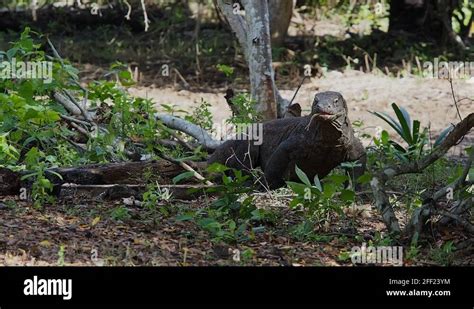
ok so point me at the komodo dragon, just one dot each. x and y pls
(316, 143)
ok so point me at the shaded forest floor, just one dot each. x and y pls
(107, 233)
(92, 233)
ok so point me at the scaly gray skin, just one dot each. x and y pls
(317, 143)
(294, 110)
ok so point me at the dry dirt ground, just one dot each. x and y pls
(84, 233)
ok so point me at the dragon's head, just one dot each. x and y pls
(329, 105)
(330, 108)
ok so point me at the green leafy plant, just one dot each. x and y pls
(34, 136)
(202, 116)
(443, 135)
(247, 255)
(227, 70)
(127, 117)
(408, 130)
(120, 213)
(462, 16)
(61, 255)
(245, 110)
(381, 240)
(304, 230)
(231, 190)
(42, 186)
(30, 126)
(153, 195)
(230, 217)
(444, 254)
(344, 256)
(8, 153)
(413, 252)
(318, 198)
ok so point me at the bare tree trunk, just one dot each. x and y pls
(262, 81)
(432, 18)
(280, 17)
(253, 34)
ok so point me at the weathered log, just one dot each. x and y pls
(97, 174)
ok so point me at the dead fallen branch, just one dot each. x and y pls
(191, 129)
(68, 105)
(379, 179)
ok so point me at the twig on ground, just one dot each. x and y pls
(186, 84)
(80, 130)
(185, 166)
(72, 119)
